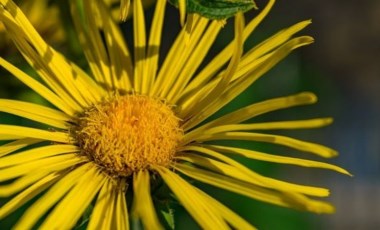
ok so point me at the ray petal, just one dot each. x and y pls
(194, 204)
(50, 163)
(154, 46)
(51, 66)
(36, 153)
(16, 145)
(102, 213)
(142, 207)
(275, 125)
(51, 197)
(218, 61)
(119, 55)
(236, 170)
(252, 111)
(239, 85)
(285, 199)
(304, 146)
(35, 112)
(139, 37)
(69, 210)
(235, 220)
(276, 159)
(121, 210)
(28, 194)
(11, 132)
(37, 87)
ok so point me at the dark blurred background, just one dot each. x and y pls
(342, 67)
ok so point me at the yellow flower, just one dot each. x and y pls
(131, 121)
(50, 29)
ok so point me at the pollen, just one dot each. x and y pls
(129, 133)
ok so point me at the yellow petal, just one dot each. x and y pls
(101, 215)
(304, 146)
(23, 182)
(176, 59)
(297, 124)
(285, 199)
(69, 210)
(140, 45)
(252, 111)
(119, 56)
(11, 132)
(35, 112)
(196, 54)
(232, 218)
(28, 194)
(219, 60)
(37, 87)
(198, 208)
(51, 197)
(36, 153)
(276, 159)
(51, 66)
(121, 210)
(237, 170)
(16, 145)
(254, 71)
(154, 45)
(182, 11)
(124, 9)
(142, 207)
(50, 164)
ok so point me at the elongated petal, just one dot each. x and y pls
(119, 55)
(142, 207)
(36, 153)
(50, 164)
(68, 211)
(232, 218)
(254, 72)
(297, 124)
(241, 172)
(37, 87)
(177, 57)
(304, 146)
(28, 194)
(35, 112)
(254, 110)
(52, 67)
(51, 197)
(285, 199)
(218, 61)
(16, 145)
(139, 37)
(101, 216)
(23, 182)
(194, 59)
(121, 210)
(277, 159)
(11, 132)
(225, 79)
(198, 208)
(154, 46)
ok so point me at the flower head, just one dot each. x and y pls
(129, 121)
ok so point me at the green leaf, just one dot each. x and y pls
(217, 9)
(168, 215)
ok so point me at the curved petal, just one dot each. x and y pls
(35, 112)
(142, 207)
(196, 205)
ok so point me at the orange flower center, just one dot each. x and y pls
(129, 133)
